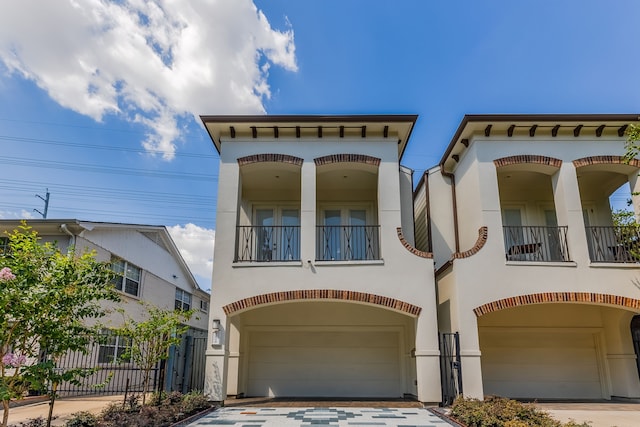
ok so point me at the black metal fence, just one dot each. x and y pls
(111, 376)
(536, 243)
(614, 244)
(348, 242)
(267, 243)
(450, 367)
(183, 371)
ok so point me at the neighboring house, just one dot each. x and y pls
(150, 269)
(531, 271)
(317, 288)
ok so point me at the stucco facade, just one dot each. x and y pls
(530, 269)
(317, 288)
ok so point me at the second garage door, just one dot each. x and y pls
(312, 363)
(540, 363)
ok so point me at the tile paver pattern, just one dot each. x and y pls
(313, 417)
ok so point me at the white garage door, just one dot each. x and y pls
(324, 364)
(540, 363)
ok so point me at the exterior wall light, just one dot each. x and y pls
(215, 332)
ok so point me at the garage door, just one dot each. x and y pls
(324, 364)
(540, 363)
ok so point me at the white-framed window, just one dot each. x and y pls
(204, 305)
(128, 276)
(113, 347)
(183, 300)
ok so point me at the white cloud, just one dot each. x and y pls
(196, 247)
(151, 62)
(24, 214)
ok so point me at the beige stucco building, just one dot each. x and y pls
(530, 269)
(333, 277)
(317, 288)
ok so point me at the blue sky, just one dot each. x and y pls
(99, 100)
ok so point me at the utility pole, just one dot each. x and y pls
(46, 204)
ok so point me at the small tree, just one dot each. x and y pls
(47, 297)
(152, 338)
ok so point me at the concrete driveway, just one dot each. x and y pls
(320, 416)
(606, 414)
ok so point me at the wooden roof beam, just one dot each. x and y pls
(510, 130)
(576, 131)
(276, 132)
(232, 131)
(254, 131)
(532, 130)
(622, 129)
(385, 132)
(554, 131)
(487, 131)
(599, 131)
(364, 132)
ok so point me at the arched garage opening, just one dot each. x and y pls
(558, 351)
(322, 349)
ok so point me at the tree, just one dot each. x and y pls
(152, 338)
(48, 299)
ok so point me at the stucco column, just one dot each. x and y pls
(427, 356)
(215, 386)
(621, 357)
(308, 212)
(566, 195)
(470, 356)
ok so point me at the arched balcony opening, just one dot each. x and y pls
(610, 224)
(269, 212)
(530, 225)
(347, 203)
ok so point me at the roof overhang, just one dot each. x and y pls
(531, 125)
(228, 128)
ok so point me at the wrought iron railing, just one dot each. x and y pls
(348, 242)
(536, 243)
(614, 244)
(267, 243)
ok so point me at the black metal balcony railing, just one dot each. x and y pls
(536, 243)
(348, 242)
(267, 243)
(614, 244)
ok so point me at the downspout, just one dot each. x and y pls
(454, 204)
(72, 239)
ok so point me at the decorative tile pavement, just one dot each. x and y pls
(316, 417)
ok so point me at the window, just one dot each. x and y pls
(113, 347)
(128, 276)
(204, 305)
(183, 300)
(4, 245)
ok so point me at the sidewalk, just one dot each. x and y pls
(63, 408)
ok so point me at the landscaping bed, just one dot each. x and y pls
(502, 412)
(163, 410)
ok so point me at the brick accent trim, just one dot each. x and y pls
(528, 158)
(483, 233)
(321, 294)
(278, 158)
(347, 158)
(599, 160)
(550, 297)
(410, 248)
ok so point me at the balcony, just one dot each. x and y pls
(267, 243)
(614, 244)
(348, 243)
(536, 243)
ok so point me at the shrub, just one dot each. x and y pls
(502, 412)
(82, 419)
(194, 402)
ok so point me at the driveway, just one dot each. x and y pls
(605, 414)
(312, 417)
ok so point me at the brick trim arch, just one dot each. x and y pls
(550, 297)
(347, 158)
(599, 160)
(411, 248)
(483, 233)
(321, 294)
(278, 158)
(528, 158)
